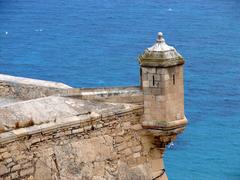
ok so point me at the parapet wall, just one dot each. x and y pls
(26, 88)
(111, 146)
(74, 133)
(19, 88)
(130, 95)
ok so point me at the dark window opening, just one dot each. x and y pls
(173, 79)
(153, 81)
(141, 78)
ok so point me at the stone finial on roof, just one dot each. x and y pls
(160, 54)
(160, 44)
(160, 37)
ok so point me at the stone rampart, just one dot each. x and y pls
(26, 88)
(130, 95)
(108, 146)
(50, 130)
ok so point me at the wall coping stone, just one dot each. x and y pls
(83, 120)
(35, 82)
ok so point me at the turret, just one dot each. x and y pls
(161, 71)
(162, 85)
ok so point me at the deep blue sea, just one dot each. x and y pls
(90, 43)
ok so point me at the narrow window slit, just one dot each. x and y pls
(153, 81)
(173, 79)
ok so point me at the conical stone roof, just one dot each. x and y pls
(160, 55)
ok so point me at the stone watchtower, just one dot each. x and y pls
(161, 74)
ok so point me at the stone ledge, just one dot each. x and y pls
(132, 94)
(164, 127)
(74, 121)
(35, 82)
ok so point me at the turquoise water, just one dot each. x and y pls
(95, 43)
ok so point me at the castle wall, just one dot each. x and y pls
(17, 89)
(93, 133)
(130, 95)
(112, 146)
(26, 88)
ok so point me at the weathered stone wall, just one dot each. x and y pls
(163, 94)
(130, 95)
(106, 147)
(25, 88)
(17, 88)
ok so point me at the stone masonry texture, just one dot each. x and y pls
(113, 147)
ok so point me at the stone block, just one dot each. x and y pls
(99, 169)
(59, 134)
(149, 98)
(3, 150)
(127, 152)
(8, 160)
(120, 132)
(155, 91)
(144, 77)
(136, 155)
(35, 140)
(144, 70)
(26, 172)
(42, 171)
(160, 98)
(148, 70)
(126, 125)
(6, 155)
(11, 164)
(161, 71)
(137, 148)
(147, 117)
(26, 165)
(15, 168)
(68, 132)
(141, 160)
(166, 77)
(152, 84)
(15, 175)
(150, 76)
(131, 161)
(147, 110)
(136, 127)
(151, 70)
(20, 157)
(147, 91)
(46, 137)
(129, 143)
(7, 178)
(3, 170)
(145, 83)
(119, 139)
(97, 126)
(157, 77)
(122, 146)
(22, 131)
(30, 178)
(87, 128)
(75, 131)
(127, 137)
(98, 178)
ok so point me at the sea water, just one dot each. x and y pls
(90, 43)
